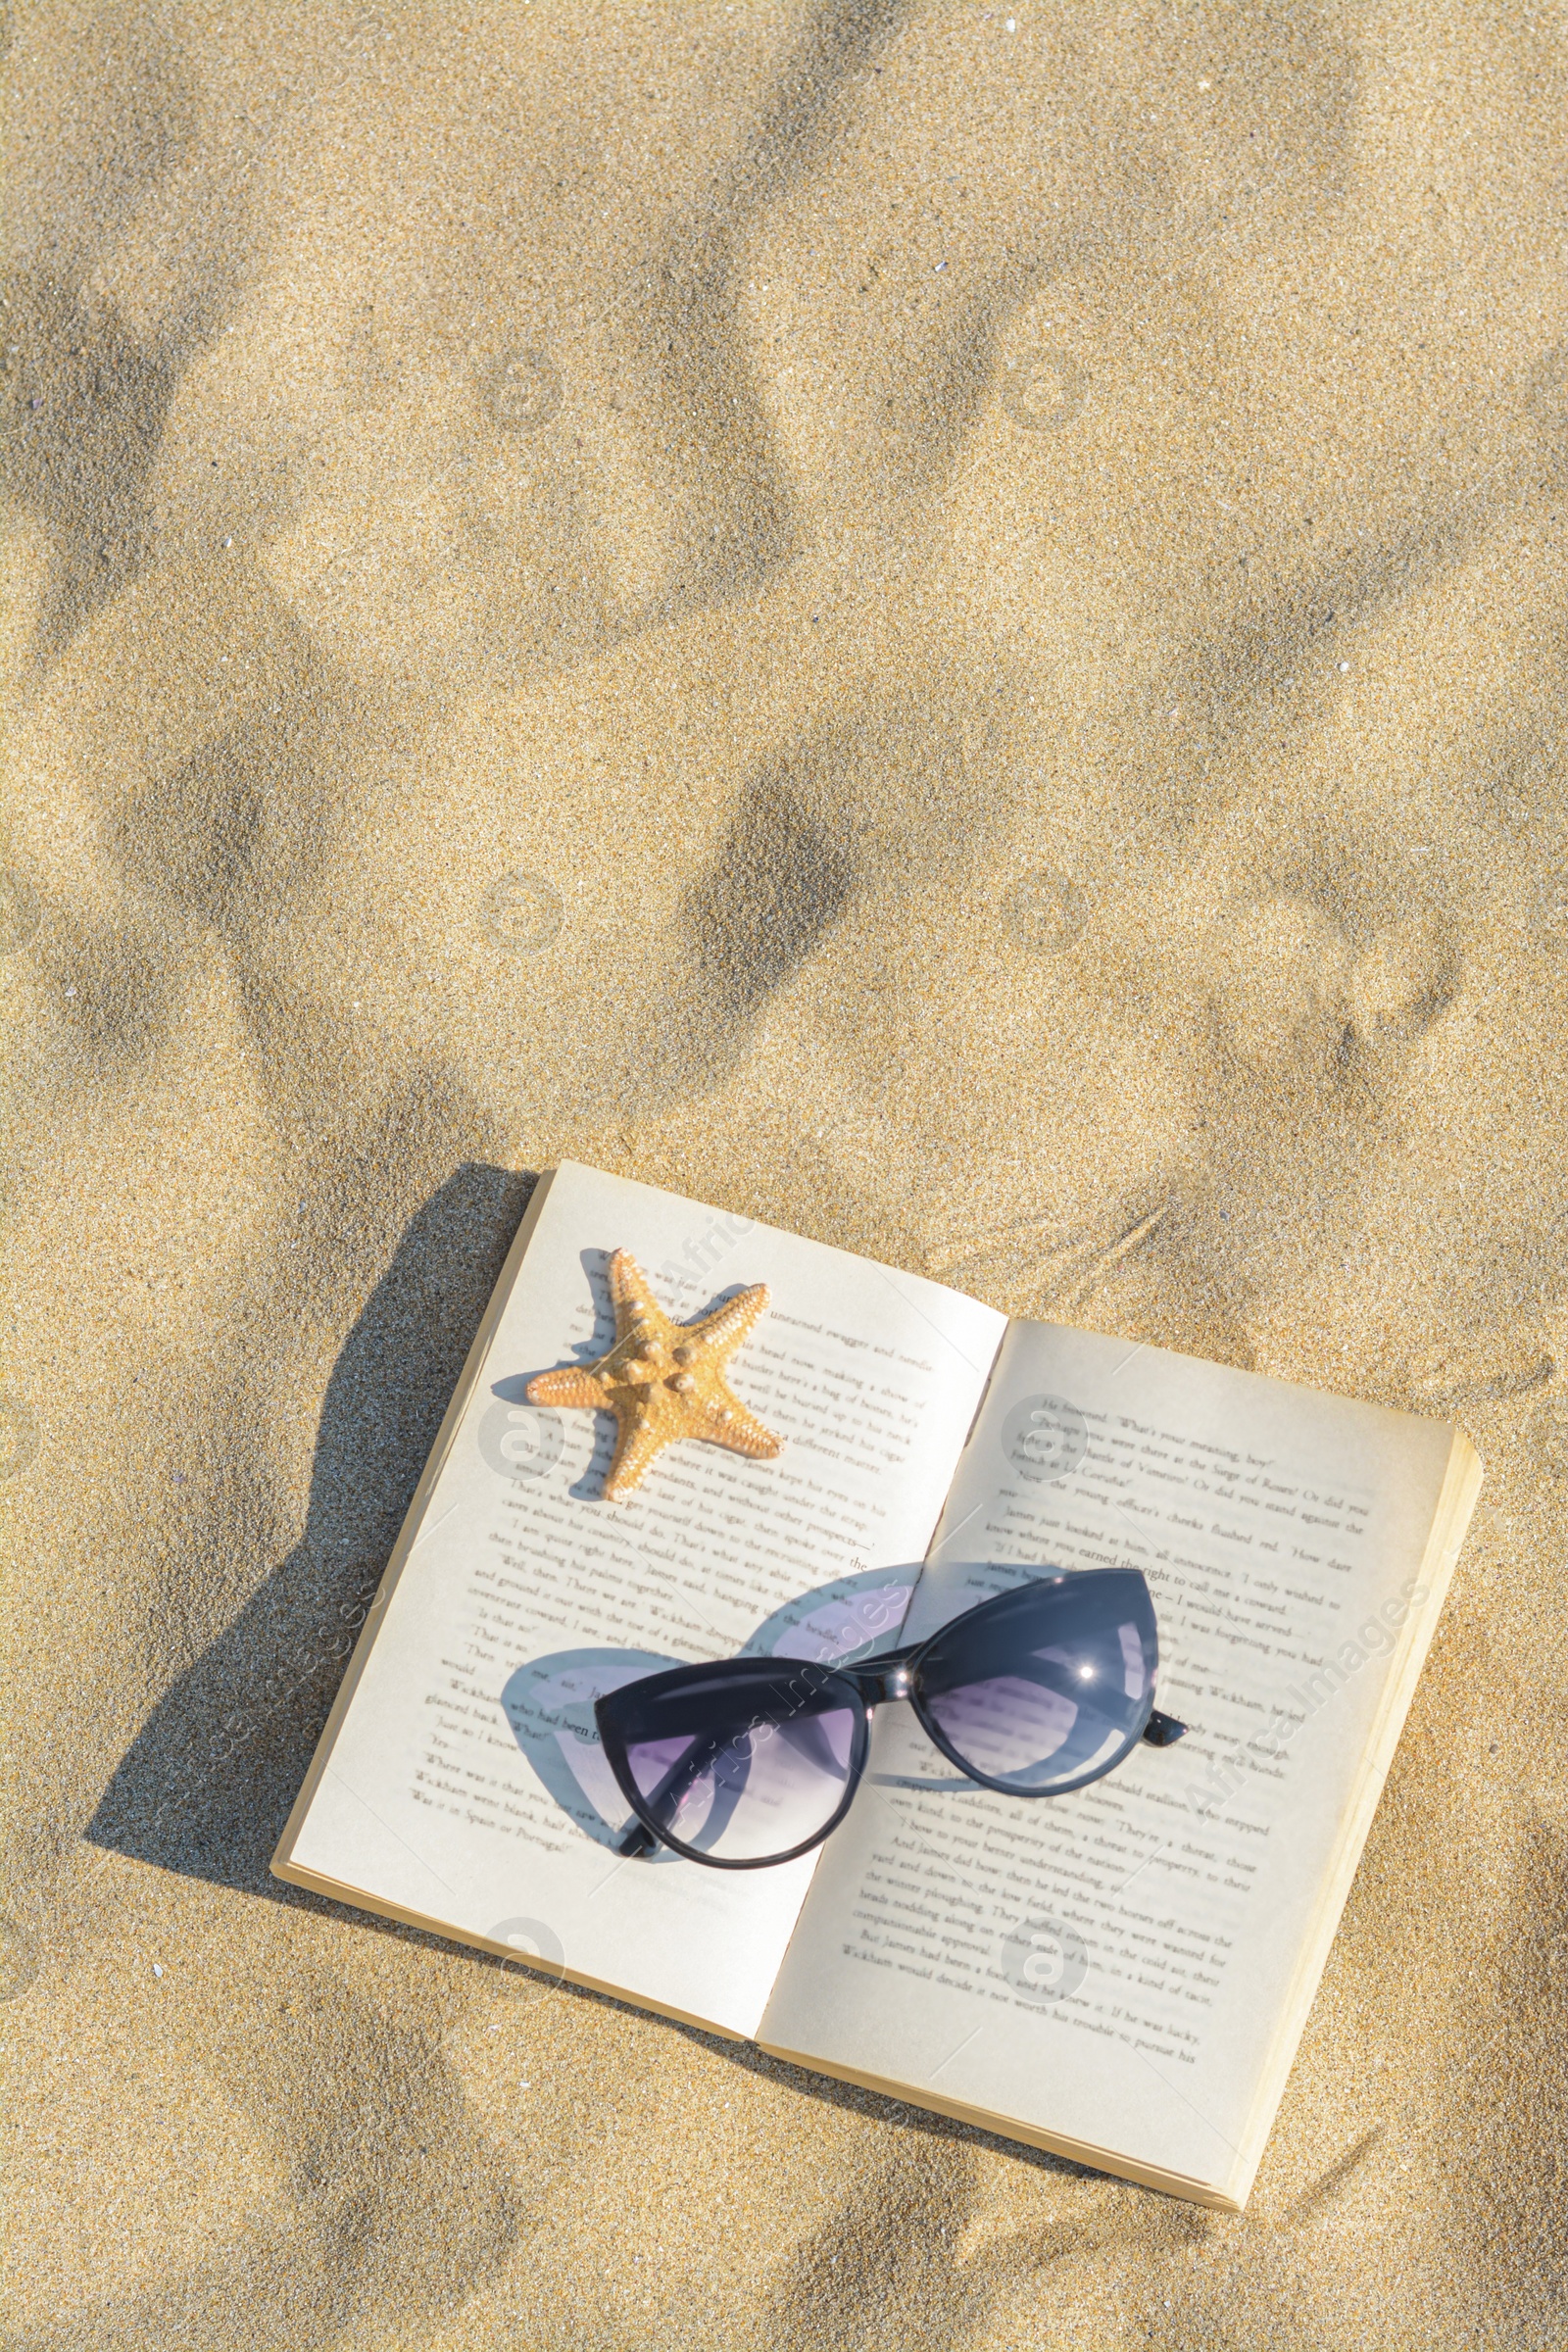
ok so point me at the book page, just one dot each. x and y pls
(462, 1782)
(1111, 1966)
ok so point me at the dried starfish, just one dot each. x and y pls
(663, 1380)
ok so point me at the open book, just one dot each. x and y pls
(1122, 1974)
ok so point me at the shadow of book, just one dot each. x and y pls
(206, 1786)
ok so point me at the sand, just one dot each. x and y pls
(941, 626)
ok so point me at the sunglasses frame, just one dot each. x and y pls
(895, 1674)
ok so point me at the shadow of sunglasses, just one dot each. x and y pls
(752, 1761)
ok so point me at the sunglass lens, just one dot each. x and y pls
(1044, 1688)
(744, 1762)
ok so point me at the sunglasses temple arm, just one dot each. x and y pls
(640, 1839)
(1162, 1730)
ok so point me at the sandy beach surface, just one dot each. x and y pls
(942, 626)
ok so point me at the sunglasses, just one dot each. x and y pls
(754, 1760)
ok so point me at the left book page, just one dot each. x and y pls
(459, 1783)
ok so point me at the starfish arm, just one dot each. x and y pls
(743, 1433)
(662, 1380)
(569, 1385)
(629, 1293)
(730, 1324)
(639, 1442)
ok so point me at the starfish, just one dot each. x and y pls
(663, 1380)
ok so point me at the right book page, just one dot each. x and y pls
(1123, 1972)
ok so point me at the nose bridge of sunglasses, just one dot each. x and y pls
(882, 1678)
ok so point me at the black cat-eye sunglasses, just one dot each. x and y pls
(755, 1760)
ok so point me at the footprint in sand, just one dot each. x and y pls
(1407, 979)
(1285, 985)
(1277, 984)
